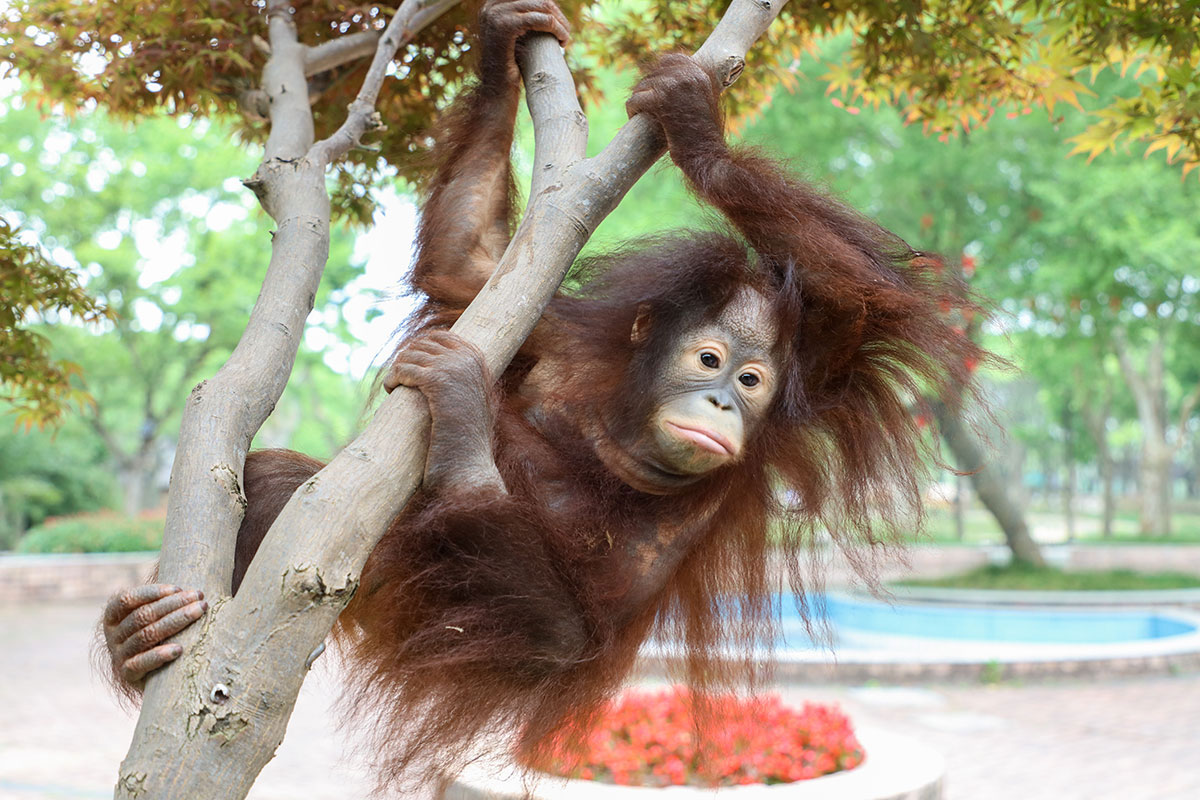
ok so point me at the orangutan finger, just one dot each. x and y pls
(541, 22)
(642, 101)
(169, 625)
(135, 668)
(562, 25)
(151, 613)
(122, 603)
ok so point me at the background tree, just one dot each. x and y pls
(1114, 258)
(151, 218)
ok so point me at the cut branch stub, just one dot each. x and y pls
(729, 70)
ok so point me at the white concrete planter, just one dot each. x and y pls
(895, 768)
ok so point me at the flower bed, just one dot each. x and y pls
(650, 739)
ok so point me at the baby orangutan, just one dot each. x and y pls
(626, 467)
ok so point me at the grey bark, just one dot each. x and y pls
(212, 719)
(988, 484)
(1068, 489)
(1096, 420)
(1148, 386)
(960, 508)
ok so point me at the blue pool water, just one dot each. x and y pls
(851, 615)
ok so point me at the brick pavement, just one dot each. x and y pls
(62, 737)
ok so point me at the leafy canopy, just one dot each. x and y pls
(949, 64)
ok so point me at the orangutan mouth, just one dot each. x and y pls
(704, 438)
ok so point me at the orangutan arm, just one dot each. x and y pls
(781, 217)
(467, 216)
(450, 372)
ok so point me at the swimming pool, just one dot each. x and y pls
(861, 638)
(857, 620)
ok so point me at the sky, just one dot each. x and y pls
(387, 249)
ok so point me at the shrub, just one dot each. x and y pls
(99, 532)
(650, 739)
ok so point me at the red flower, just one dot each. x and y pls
(649, 738)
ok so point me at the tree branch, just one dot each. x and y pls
(560, 128)
(110, 442)
(286, 86)
(1138, 383)
(342, 50)
(212, 719)
(407, 21)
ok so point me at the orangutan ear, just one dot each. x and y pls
(640, 332)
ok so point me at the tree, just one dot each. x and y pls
(168, 245)
(49, 473)
(1110, 263)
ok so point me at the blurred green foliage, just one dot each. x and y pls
(153, 223)
(94, 533)
(45, 474)
(36, 386)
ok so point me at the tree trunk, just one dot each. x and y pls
(1158, 454)
(1193, 482)
(988, 486)
(1108, 498)
(1068, 489)
(1155, 481)
(1096, 421)
(137, 477)
(960, 522)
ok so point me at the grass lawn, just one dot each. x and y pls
(1050, 578)
(1050, 526)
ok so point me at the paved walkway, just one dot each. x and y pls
(61, 736)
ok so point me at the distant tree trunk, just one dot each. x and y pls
(132, 491)
(1068, 489)
(1108, 499)
(137, 473)
(1149, 394)
(989, 486)
(1193, 479)
(960, 522)
(1155, 482)
(1096, 421)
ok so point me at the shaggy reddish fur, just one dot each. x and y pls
(466, 604)
(487, 615)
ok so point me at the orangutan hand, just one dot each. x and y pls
(136, 621)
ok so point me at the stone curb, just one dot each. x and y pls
(896, 768)
(71, 576)
(1022, 597)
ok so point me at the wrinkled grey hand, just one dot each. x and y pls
(136, 621)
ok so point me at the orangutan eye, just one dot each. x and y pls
(748, 379)
(710, 360)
